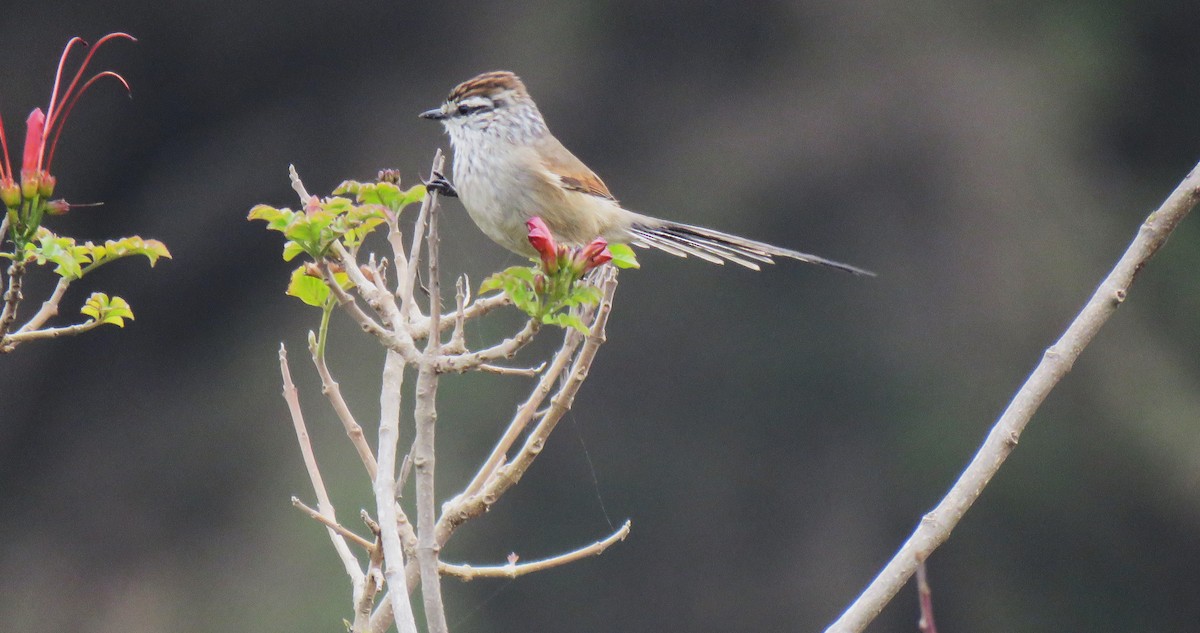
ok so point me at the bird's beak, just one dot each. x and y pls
(436, 114)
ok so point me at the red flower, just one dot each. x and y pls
(42, 129)
(595, 254)
(543, 242)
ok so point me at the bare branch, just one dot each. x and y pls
(385, 494)
(333, 525)
(49, 306)
(480, 307)
(524, 415)
(409, 284)
(362, 610)
(333, 392)
(513, 569)
(298, 186)
(400, 342)
(51, 332)
(291, 396)
(925, 602)
(505, 349)
(507, 475)
(935, 527)
(528, 372)
(12, 299)
(458, 341)
(424, 456)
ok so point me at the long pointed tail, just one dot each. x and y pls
(717, 247)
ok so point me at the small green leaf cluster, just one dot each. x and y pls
(549, 297)
(73, 260)
(338, 218)
(111, 311)
(322, 222)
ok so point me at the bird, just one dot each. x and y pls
(508, 167)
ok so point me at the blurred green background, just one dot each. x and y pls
(773, 436)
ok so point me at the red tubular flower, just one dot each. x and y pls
(45, 128)
(35, 140)
(543, 242)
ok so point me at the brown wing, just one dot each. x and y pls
(571, 172)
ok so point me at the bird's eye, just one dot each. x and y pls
(470, 108)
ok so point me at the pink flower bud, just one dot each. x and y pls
(57, 207)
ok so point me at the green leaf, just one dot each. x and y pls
(565, 320)
(291, 250)
(308, 289)
(68, 257)
(266, 213)
(109, 311)
(623, 256)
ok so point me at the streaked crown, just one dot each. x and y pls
(497, 84)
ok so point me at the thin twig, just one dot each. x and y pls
(528, 372)
(474, 310)
(524, 415)
(925, 602)
(407, 301)
(514, 569)
(507, 475)
(397, 341)
(291, 396)
(458, 337)
(298, 186)
(505, 349)
(362, 610)
(333, 392)
(935, 527)
(333, 525)
(51, 332)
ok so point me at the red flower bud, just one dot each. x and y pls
(46, 186)
(543, 242)
(596, 253)
(35, 142)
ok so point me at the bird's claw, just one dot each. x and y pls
(439, 184)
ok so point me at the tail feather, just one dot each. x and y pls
(717, 247)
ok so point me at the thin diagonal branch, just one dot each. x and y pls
(935, 527)
(513, 569)
(524, 415)
(290, 395)
(333, 525)
(49, 307)
(507, 475)
(333, 392)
